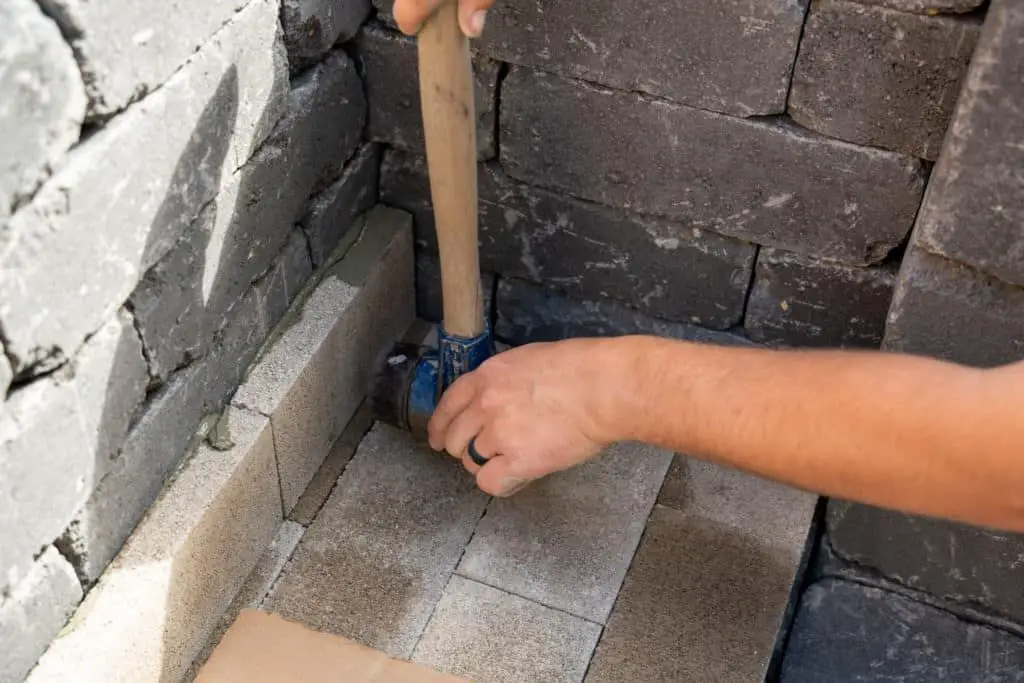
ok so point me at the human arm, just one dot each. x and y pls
(410, 14)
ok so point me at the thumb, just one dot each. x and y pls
(502, 476)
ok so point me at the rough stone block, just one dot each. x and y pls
(804, 302)
(127, 194)
(945, 309)
(376, 559)
(930, 7)
(43, 104)
(389, 67)
(312, 27)
(314, 376)
(879, 77)
(525, 641)
(761, 181)
(34, 611)
(152, 611)
(384, 12)
(870, 634)
(733, 57)
(6, 374)
(280, 287)
(429, 303)
(974, 207)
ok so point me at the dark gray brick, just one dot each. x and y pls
(279, 287)
(875, 76)
(429, 303)
(732, 56)
(930, 7)
(764, 182)
(798, 301)
(312, 27)
(384, 9)
(848, 632)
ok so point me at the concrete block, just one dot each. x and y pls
(870, 634)
(797, 301)
(384, 12)
(948, 310)
(334, 211)
(43, 105)
(485, 634)
(566, 541)
(6, 374)
(765, 182)
(126, 49)
(110, 213)
(312, 27)
(376, 559)
(975, 202)
(34, 611)
(155, 606)
(879, 77)
(930, 7)
(283, 283)
(389, 66)
(429, 302)
(733, 57)
(315, 374)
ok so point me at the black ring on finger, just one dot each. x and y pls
(474, 454)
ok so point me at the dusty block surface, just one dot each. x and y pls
(928, 6)
(312, 27)
(761, 181)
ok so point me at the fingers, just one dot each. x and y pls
(501, 477)
(472, 15)
(410, 15)
(458, 397)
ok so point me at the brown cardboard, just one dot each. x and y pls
(261, 647)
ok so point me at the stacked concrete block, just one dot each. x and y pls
(312, 27)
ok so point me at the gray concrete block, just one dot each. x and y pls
(975, 202)
(34, 611)
(761, 181)
(798, 301)
(566, 541)
(43, 104)
(485, 634)
(869, 634)
(733, 57)
(126, 49)
(389, 68)
(375, 561)
(312, 27)
(110, 213)
(283, 283)
(429, 302)
(948, 310)
(6, 374)
(879, 77)
(315, 374)
(930, 7)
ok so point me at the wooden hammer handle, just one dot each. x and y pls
(449, 125)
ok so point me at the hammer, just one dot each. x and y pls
(411, 378)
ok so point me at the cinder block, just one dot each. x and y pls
(283, 283)
(765, 182)
(930, 7)
(798, 301)
(522, 640)
(156, 604)
(43, 104)
(312, 27)
(34, 611)
(313, 377)
(879, 77)
(112, 211)
(429, 302)
(733, 56)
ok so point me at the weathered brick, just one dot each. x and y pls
(43, 104)
(312, 27)
(875, 76)
(930, 7)
(974, 207)
(429, 302)
(34, 611)
(761, 181)
(798, 301)
(390, 69)
(733, 56)
(127, 194)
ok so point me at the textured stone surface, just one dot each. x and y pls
(390, 69)
(803, 302)
(429, 302)
(276, 290)
(974, 208)
(155, 606)
(34, 611)
(928, 6)
(43, 104)
(566, 541)
(865, 634)
(6, 374)
(127, 194)
(733, 56)
(486, 634)
(761, 181)
(945, 309)
(374, 563)
(878, 77)
(311, 27)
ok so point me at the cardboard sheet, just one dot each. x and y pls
(261, 647)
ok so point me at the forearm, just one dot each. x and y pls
(891, 430)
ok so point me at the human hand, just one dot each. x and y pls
(410, 14)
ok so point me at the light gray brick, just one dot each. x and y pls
(312, 27)
(761, 181)
(43, 104)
